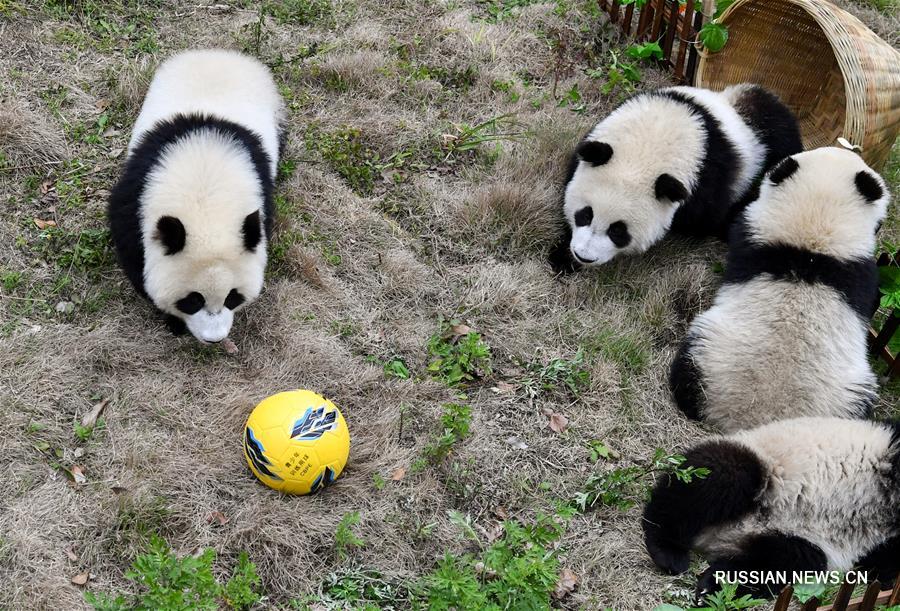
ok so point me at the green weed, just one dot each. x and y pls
(624, 487)
(469, 138)
(557, 374)
(458, 359)
(518, 571)
(496, 11)
(166, 581)
(344, 537)
(11, 280)
(300, 12)
(456, 421)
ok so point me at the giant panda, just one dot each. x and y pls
(786, 335)
(807, 494)
(681, 158)
(191, 213)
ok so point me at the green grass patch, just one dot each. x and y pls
(556, 375)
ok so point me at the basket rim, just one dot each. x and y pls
(831, 19)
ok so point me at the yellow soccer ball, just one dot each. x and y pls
(296, 442)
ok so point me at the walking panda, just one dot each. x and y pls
(191, 213)
(808, 494)
(786, 335)
(681, 158)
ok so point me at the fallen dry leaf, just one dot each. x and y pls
(80, 579)
(505, 387)
(558, 422)
(217, 517)
(398, 474)
(42, 224)
(78, 475)
(90, 419)
(229, 346)
(71, 555)
(460, 330)
(567, 583)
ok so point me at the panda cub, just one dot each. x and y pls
(192, 211)
(786, 335)
(794, 495)
(680, 158)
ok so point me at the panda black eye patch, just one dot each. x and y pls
(190, 304)
(234, 299)
(618, 234)
(584, 216)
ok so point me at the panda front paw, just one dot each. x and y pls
(672, 560)
(175, 325)
(561, 259)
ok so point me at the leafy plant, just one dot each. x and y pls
(344, 537)
(726, 599)
(458, 358)
(470, 137)
(169, 582)
(396, 368)
(558, 373)
(240, 591)
(84, 433)
(518, 571)
(620, 73)
(623, 487)
(647, 50)
(713, 35)
(572, 99)
(889, 286)
(456, 421)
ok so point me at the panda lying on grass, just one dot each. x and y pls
(682, 158)
(192, 211)
(806, 494)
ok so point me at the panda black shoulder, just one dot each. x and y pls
(125, 197)
(772, 122)
(704, 213)
(853, 279)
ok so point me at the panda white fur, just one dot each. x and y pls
(786, 335)
(192, 211)
(682, 158)
(794, 495)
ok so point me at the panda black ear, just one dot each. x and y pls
(670, 188)
(170, 232)
(783, 170)
(251, 230)
(594, 153)
(868, 186)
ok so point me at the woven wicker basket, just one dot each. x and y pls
(833, 71)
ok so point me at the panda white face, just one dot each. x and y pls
(826, 200)
(613, 212)
(204, 242)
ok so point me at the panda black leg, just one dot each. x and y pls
(175, 325)
(677, 512)
(883, 562)
(763, 554)
(560, 256)
(686, 382)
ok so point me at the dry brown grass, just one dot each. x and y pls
(461, 235)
